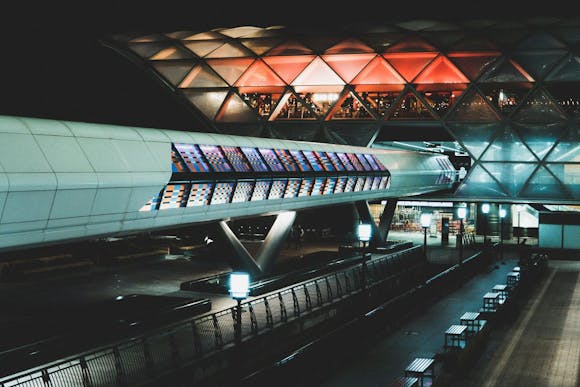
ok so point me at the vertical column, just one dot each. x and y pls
(386, 218)
(241, 255)
(274, 240)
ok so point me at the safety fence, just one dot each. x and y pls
(143, 358)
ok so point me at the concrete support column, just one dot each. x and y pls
(241, 255)
(365, 216)
(274, 240)
(387, 218)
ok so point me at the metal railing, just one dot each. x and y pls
(167, 349)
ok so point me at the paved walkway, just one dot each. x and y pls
(542, 347)
(421, 337)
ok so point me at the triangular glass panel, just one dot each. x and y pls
(507, 38)
(172, 52)
(441, 96)
(472, 107)
(443, 39)
(506, 97)
(262, 99)
(207, 102)
(230, 69)
(568, 148)
(567, 70)
(209, 35)
(441, 70)
(379, 101)
(173, 72)
(506, 71)
(260, 46)
(147, 50)
(570, 35)
(148, 38)
(259, 74)
(417, 25)
(266, 32)
(320, 102)
(411, 107)
(203, 47)
(348, 107)
(349, 46)
(540, 138)
(479, 183)
(410, 64)
(512, 176)
(473, 64)
(507, 146)
(317, 73)
(569, 175)
(202, 76)
(411, 44)
(539, 41)
(378, 72)
(475, 138)
(539, 107)
(382, 40)
(291, 107)
(290, 48)
(544, 185)
(348, 65)
(179, 35)
(357, 135)
(566, 95)
(539, 63)
(288, 67)
(230, 50)
(238, 32)
(235, 110)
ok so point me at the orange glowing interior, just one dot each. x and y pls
(409, 64)
(348, 65)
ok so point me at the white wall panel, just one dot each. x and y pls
(71, 203)
(161, 154)
(91, 130)
(571, 236)
(550, 235)
(27, 206)
(46, 127)
(103, 155)
(57, 234)
(149, 135)
(20, 153)
(9, 228)
(139, 197)
(66, 222)
(137, 155)
(64, 154)
(12, 125)
(21, 239)
(111, 201)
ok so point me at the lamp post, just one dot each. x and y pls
(425, 223)
(485, 211)
(461, 214)
(502, 214)
(519, 209)
(364, 232)
(239, 290)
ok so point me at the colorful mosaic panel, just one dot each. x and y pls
(236, 159)
(199, 194)
(222, 192)
(261, 190)
(243, 191)
(172, 196)
(192, 157)
(287, 160)
(215, 158)
(272, 160)
(277, 189)
(255, 160)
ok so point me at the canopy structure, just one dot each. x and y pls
(506, 92)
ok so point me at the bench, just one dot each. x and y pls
(455, 337)
(473, 322)
(503, 291)
(513, 278)
(421, 368)
(490, 302)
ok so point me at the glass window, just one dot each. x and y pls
(411, 107)
(199, 194)
(346, 161)
(271, 159)
(335, 161)
(305, 187)
(318, 188)
(505, 97)
(349, 65)
(313, 160)
(222, 192)
(262, 99)
(215, 158)
(243, 191)
(472, 108)
(360, 182)
(303, 164)
(385, 182)
(441, 71)
(372, 162)
(567, 96)
(277, 189)
(349, 107)
(172, 196)
(363, 160)
(355, 162)
(329, 185)
(177, 164)
(261, 190)
(340, 184)
(254, 159)
(207, 102)
(192, 157)
(259, 74)
(324, 161)
(287, 160)
(380, 102)
(473, 63)
(368, 183)
(230, 69)
(376, 183)
(236, 158)
(539, 107)
(409, 64)
(292, 188)
(350, 183)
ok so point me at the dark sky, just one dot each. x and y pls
(53, 66)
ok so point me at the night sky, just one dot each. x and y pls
(53, 65)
